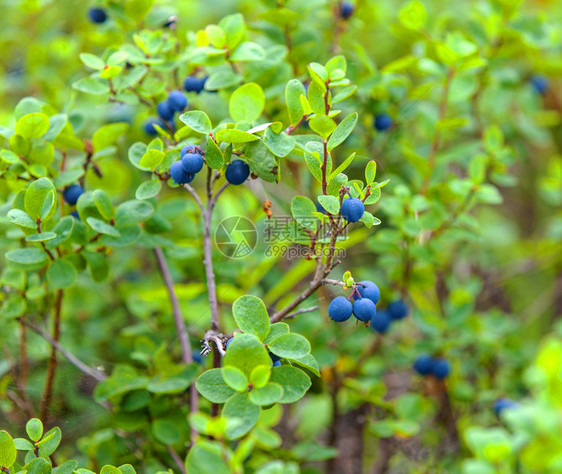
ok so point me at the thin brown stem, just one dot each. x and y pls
(52, 364)
(177, 459)
(24, 370)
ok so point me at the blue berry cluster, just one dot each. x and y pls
(190, 163)
(176, 102)
(435, 366)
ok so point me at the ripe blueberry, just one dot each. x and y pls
(273, 357)
(352, 209)
(340, 309)
(149, 126)
(380, 322)
(72, 193)
(165, 111)
(346, 10)
(191, 149)
(177, 101)
(382, 122)
(398, 309)
(320, 208)
(237, 172)
(367, 289)
(441, 368)
(364, 309)
(502, 403)
(229, 341)
(194, 84)
(97, 15)
(540, 83)
(277, 363)
(423, 365)
(179, 175)
(75, 215)
(192, 162)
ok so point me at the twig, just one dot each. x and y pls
(301, 311)
(195, 196)
(52, 365)
(177, 459)
(91, 371)
(24, 369)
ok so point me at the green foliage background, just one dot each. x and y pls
(469, 235)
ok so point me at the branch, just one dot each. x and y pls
(302, 311)
(177, 459)
(195, 196)
(91, 371)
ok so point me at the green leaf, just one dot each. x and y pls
(309, 362)
(151, 159)
(32, 125)
(148, 189)
(205, 457)
(251, 316)
(173, 383)
(92, 61)
(245, 352)
(38, 466)
(102, 227)
(8, 450)
(133, 212)
(370, 172)
(23, 444)
(239, 407)
(413, 15)
(302, 209)
(9, 156)
(314, 166)
(61, 274)
(136, 152)
(290, 346)
(323, 126)
(67, 467)
(276, 330)
(165, 432)
(342, 131)
(248, 51)
(213, 154)
(42, 237)
(222, 79)
(197, 121)
(212, 386)
(92, 85)
(108, 134)
(247, 102)
(50, 442)
(103, 203)
(18, 217)
(294, 381)
(280, 144)
(63, 229)
(270, 393)
(330, 203)
(235, 378)
(260, 375)
(35, 195)
(34, 429)
(368, 219)
(234, 29)
(97, 263)
(68, 177)
(315, 97)
(293, 93)
(27, 256)
(235, 136)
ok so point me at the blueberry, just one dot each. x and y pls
(149, 126)
(423, 365)
(441, 368)
(364, 309)
(165, 111)
(540, 83)
(229, 341)
(237, 172)
(398, 309)
(72, 193)
(383, 122)
(192, 162)
(177, 101)
(319, 208)
(352, 209)
(273, 357)
(502, 403)
(367, 289)
(197, 357)
(340, 309)
(194, 84)
(277, 364)
(380, 322)
(179, 175)
(97, 15)
(75, 215)
(191, 149)
(346, 10)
